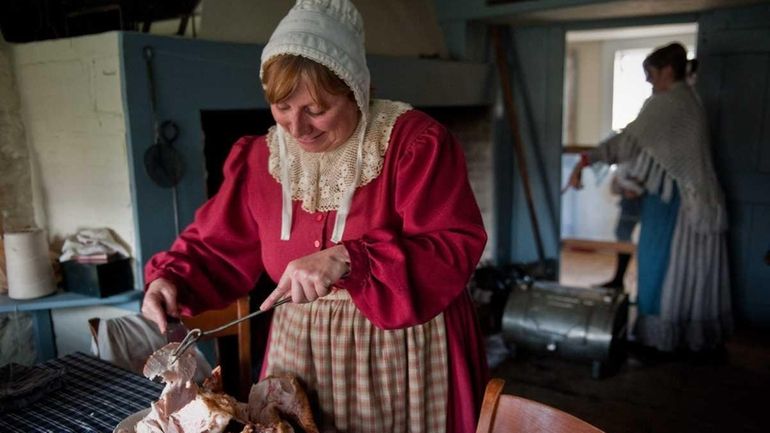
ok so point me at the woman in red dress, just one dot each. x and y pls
(362, 212)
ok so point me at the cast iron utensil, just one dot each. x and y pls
(162, 160)
(195, 334)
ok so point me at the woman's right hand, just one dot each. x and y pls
(575, 179)
(310, 277)
(160, 302)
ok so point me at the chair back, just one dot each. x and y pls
(242, 331)
(505, 413)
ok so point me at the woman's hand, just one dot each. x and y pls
(575, 179)
(311, 277)
(630, 194)
(160, 301)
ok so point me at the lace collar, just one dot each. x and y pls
(320, 179)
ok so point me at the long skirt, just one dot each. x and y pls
(658, 223)
(683, 283)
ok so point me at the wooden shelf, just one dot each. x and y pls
(62, 299)
(40, 309)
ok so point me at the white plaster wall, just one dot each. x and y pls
(72, 108)
(16, 210)
(592, 212)
(393, 27)
(589, 92)
(71, 326)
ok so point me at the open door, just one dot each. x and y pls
(604, 89)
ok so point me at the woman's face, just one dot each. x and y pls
(660, 78)
(316, 129)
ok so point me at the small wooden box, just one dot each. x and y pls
(98, 280)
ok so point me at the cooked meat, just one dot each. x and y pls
(159, 364)
(280, 395)
(179, 390)
(201, 415)
(214, 382)
(183, 407)
(251, 428)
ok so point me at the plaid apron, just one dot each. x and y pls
(362, 378)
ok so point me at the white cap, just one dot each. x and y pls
(330, 32)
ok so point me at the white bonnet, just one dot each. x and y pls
(330, 32)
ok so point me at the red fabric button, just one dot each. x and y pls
(317, 244)
(319, 217)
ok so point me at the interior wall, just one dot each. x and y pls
(472, 126)
(734, 53)
(73, 113)
(475, 136)
(536, 74)
(71, 105)
(393, 27)
(588, 82)
(71, 326)
(16, 210)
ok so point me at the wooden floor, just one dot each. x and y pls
(585, 268)
(676, 395)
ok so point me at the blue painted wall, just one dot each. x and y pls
(194, 75)
(536, 62)
(734, 81)
(189, 77)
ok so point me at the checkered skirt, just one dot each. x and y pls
(362, 378)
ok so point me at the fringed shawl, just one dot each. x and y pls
(667, 145)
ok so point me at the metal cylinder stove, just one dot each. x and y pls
(573, 322)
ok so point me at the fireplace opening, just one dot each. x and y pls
(221, 129)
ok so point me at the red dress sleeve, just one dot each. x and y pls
(217, 258)
(410, 272)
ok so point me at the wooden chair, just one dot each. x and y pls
(504, 413)
(242, 332)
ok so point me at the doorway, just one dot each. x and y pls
(604, 89)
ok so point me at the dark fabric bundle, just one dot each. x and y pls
(21, 385)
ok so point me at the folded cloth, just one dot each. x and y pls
(20, 385)
(89, 242)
